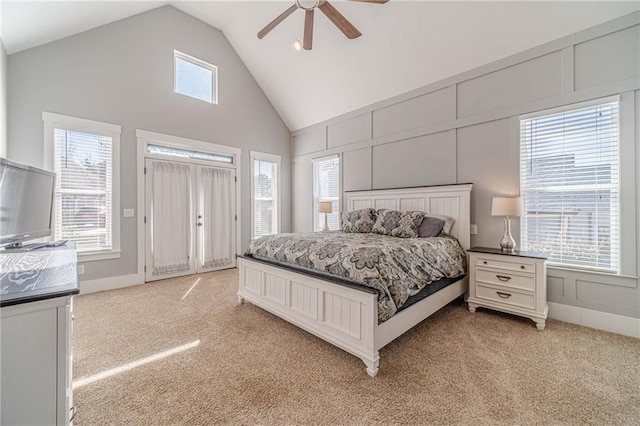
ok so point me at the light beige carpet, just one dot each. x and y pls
(251, 367)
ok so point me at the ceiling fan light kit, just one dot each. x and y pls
(309, 7)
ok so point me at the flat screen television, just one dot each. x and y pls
(26, 203)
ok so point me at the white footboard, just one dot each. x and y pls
(343, 316)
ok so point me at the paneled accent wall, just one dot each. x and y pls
(466, 129)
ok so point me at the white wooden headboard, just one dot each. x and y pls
(450, 200)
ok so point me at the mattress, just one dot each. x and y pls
(396, 268)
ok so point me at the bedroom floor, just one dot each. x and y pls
(172, 352)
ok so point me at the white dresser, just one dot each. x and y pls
(36, 290)
(513, 282)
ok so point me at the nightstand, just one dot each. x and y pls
(513, 282)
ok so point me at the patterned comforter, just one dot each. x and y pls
(396, 267)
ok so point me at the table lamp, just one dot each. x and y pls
(507, 207)
(325, 207)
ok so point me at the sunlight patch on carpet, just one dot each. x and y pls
(131, 365)
(189, 291)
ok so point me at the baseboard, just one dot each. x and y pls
(613, 323)
(110, 283)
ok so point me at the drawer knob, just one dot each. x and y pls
(485, 262)
(503, 295)
(521, 266)
(503, 277)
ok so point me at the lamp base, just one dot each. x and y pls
(325, 228)
(507, 244)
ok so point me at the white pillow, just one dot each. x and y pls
(448, 221)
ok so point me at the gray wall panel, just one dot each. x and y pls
(309, 142)
(355, 129)
(302, 176)
(122, 73)
(555, 289)
(424, 110)
(535, 79)
(356, 169)
(608, 59)
(427, 160)
(488, 157)
(618, 300)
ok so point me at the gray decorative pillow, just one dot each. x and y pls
(398, 224)
(448, 221)
(430, 227)
(358, 221)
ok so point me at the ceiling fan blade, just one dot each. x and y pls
(308, 30)
(339, 21)
(271, 25)
(372, 1)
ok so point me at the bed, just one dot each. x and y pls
(346, 314)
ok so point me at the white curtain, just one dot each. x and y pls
(171, 218)
(217, 199)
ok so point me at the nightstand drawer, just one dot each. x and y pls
(520, 266)
(506, 296)
(492, 276)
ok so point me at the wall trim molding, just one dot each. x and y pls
(111, 283)
(613, 323)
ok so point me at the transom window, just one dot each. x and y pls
(569, 182)
(195, 78)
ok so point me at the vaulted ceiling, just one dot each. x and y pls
(405, 44)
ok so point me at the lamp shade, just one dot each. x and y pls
(506, 206)
(325, 207)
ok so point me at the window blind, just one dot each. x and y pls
(326, 187)
(83, 209)
(569, 178)
(265, 198)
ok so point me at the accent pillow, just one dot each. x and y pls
(448, 221)
(430, 227)
(398, 224)
(361, 221)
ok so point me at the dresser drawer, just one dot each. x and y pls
(506, 279)
(520, 266)
(506, 296)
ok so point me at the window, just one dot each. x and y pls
(326, 187)
(265, 190)
(195, 78)
(569, 181)
(83, 154)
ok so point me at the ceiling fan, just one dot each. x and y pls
(309, 7)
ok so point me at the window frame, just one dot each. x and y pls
(54, 121)
(622, 268)
(316, 226)
(200, 63)
(271, 158)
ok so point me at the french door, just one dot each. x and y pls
(189, 218)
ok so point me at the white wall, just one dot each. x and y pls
(3, 101)
(466, 129)
(122, 73)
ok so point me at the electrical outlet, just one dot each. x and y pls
(474, 229)
(80, 269)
